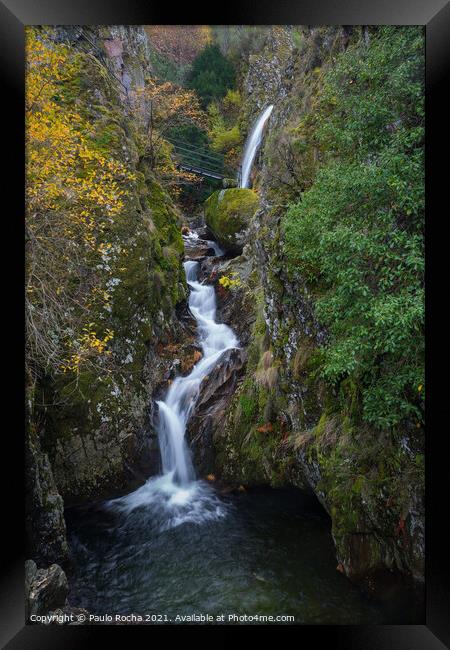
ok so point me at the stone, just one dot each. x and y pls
(227, 214)
(113, 47)
(48, 589)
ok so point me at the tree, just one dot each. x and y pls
(180, 43)
(212, 75)
(74, 191)
(170, 109)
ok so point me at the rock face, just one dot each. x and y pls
(46, 528)
(284, 424)
(46, 589)
(215, 395)
(99, 440)
(102, 440)
(227, 215)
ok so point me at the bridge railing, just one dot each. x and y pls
(189, 153)
(201, 161)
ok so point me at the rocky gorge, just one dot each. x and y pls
(267, 414)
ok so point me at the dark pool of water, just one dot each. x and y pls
(269, 551)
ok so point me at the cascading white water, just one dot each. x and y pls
(252, 144)
(175, 410)
(176, 493)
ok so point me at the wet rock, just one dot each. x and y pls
(44, 507)
(30, 572)
(236, 305)
(197, 248)
(215, 394)
(198, 253)
(47, 588)
(204, 232)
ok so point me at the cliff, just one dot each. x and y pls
(118, 269)
(294, 418)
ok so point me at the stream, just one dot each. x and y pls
(176, 546)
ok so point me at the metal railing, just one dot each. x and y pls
(202, 161)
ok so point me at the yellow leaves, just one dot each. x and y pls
(73, 363)
(229, 283)
(104, 248)
(64, 167)
(420, 388)
(87, 344)
(91, 340)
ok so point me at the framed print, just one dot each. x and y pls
(225, 372)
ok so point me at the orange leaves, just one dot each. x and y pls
(265, 428)
(173, 104)
(181, 43)
(188, 363)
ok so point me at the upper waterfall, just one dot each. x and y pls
(252, 144)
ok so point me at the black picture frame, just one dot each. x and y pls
(14, 16)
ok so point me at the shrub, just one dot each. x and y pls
(357, 234)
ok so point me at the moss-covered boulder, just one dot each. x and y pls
(228, 214)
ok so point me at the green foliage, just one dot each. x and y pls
(190, 133)
(193, 193)
(297, 37)
(212, 74)
(231, 105)
(167, 69)
(224, 130)
(227, 139)
(357, 234)
(248, 407)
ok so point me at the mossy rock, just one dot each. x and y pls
(228, 213)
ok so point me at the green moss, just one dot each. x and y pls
(248, 407)
(228, 213)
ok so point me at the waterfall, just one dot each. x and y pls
(176, 496)
(252, 144)
(175, 410)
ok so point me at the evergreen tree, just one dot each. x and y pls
(212, 75)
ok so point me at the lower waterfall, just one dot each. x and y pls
(177, 491)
